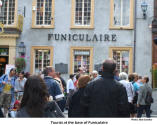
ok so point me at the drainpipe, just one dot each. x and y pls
(135, 15)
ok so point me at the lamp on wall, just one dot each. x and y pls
(144, 9)
(21, 49)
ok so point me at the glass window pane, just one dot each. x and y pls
(82, 12)
(78, 12)
(39, 12)
(4, 51)
(125, 61)
(87, 11)
(42, 59)
(121, 12)
(122, 60)
(48, 9)
(126, 13)
(81, 59)
(117, 12)
(44, 12)
(8, 11)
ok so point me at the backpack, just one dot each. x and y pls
(5, 77)
(148, 99)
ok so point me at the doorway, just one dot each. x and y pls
(4, 58)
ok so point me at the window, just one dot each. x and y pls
(41, 58)
(122, 14)
(81, 58)
(43, 14)
(9, 9)
(123, 58)
(4, 51)
(82, 13)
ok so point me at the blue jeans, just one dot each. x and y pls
(140, 110)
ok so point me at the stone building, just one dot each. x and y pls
(69, 34)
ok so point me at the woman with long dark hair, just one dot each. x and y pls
(35, 99)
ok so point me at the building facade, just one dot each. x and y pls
(10, 28)
(69, 34)
(154, 46)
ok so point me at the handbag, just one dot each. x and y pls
(135, 98)
(52, 110)
(149, 99)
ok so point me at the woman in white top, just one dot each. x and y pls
(129, 89)
(19, 85)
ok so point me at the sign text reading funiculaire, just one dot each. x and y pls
(83, 37)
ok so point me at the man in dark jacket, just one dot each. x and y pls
(52, 85)
(105, 97)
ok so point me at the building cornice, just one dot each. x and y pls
(9, 35)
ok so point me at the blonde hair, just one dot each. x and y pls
(82, 81)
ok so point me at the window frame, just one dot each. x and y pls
(34, 4)
(14, 25)
(72, 57)
(33, 56)
(73, 26)
(131, 26)
(130, 49)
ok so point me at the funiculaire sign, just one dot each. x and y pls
(83, 37)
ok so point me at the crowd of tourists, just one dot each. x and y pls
(106, 93)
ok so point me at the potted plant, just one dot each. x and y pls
(20, 64)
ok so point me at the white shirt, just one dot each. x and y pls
(129, 89)
(70, 85)
(19, 84)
